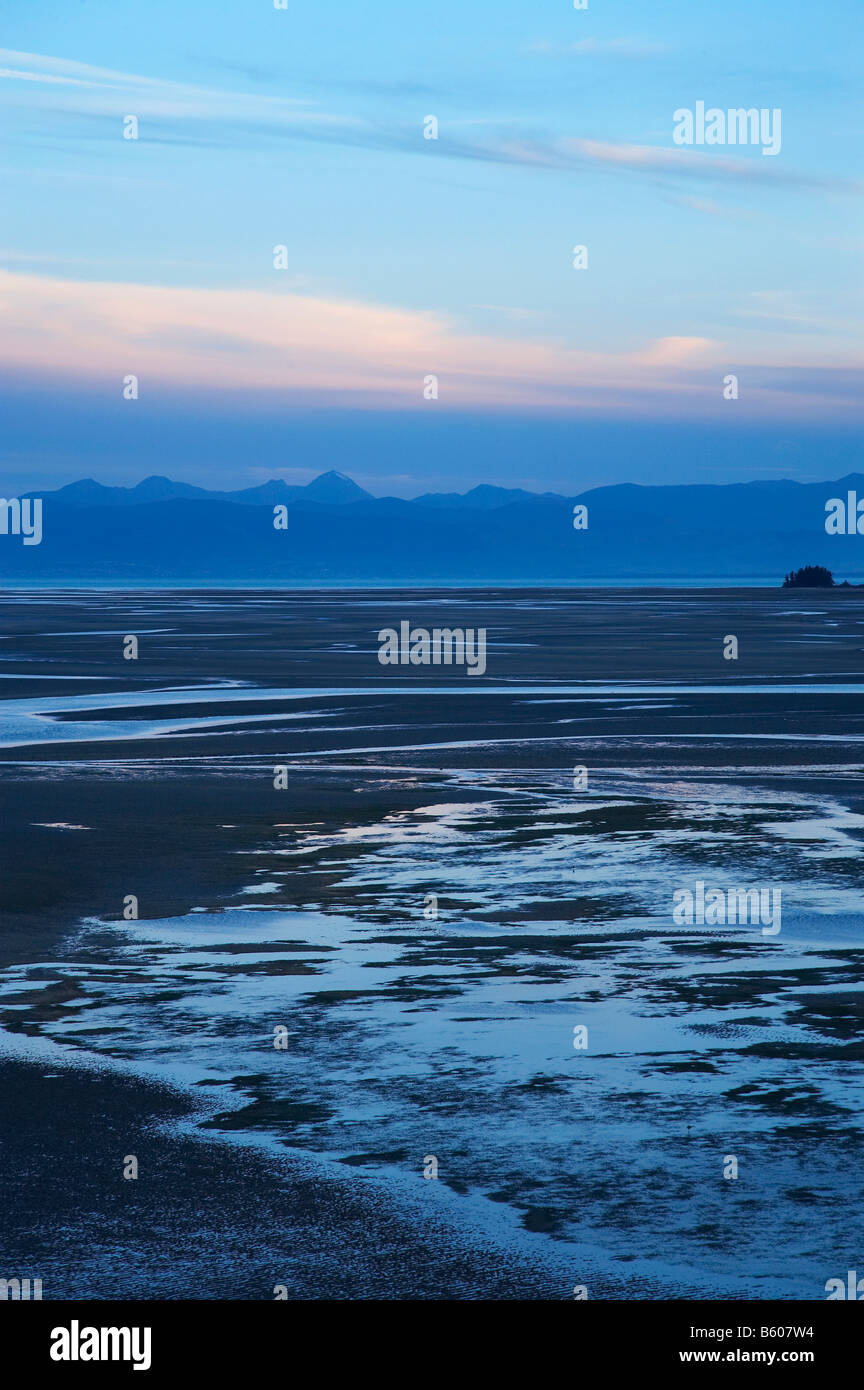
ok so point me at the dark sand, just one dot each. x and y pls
(174, 818)
(208, 1220)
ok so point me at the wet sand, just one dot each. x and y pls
(757, 1044)
(209, 1220)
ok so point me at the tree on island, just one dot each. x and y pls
(809, 577)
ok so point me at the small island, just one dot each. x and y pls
(815, 577)
(809, 577)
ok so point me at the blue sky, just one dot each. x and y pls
(261, 127)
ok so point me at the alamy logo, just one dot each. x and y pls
(716, 908)
(19, 1289)
(734, 127)
(418, 646)
(76, 1343)
(22, 517)
(845, 518)
(853, 1288)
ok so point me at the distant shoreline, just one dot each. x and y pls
(591, 583)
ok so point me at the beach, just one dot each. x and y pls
(422, 883)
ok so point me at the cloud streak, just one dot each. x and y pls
(370, 355)
(181, 113)
(600, 48)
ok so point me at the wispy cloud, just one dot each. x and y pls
(265, 73)
(47, 78)
(707, 206)
(368, 354)
(782, 310)
(102, 91)
(691, 164)
(184, 114)
(600, 48)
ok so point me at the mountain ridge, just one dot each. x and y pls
(333, 532)
(338, 489)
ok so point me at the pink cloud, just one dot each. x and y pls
(372, 354)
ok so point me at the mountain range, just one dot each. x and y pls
(332, 532)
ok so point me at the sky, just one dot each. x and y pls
(407, 258)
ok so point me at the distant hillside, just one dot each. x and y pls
(337, 533)
(330, 487)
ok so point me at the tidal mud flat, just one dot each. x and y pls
(428, 905)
